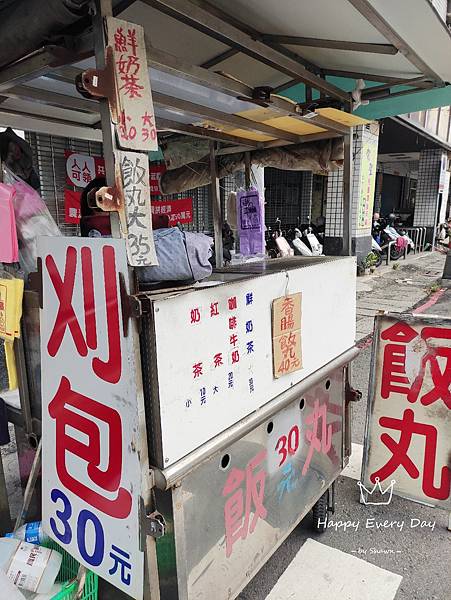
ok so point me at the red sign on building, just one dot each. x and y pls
(178, 211)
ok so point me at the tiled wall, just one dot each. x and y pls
(334, 209)
(427, 187)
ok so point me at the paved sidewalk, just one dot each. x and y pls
(397, 289)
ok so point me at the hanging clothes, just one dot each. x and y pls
(9, 249)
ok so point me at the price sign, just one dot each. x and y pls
(91, 469)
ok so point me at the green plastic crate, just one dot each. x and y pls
(69, 570)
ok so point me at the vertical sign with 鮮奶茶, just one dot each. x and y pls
(286, 334)
(136, 128)
(91, 481)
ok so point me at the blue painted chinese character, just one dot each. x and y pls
(251, 384)
(249, 298)
(188, 403)
(289, 482)
(215, 389)
(121, 560)
(203, 396)
(230, 380)
(249, 327)
(250, 347)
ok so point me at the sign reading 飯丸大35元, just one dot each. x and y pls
(91, 470)
(408, 437)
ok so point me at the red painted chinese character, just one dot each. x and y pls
(132, 42)
(235, 356)
(126, 132)
(239, 507)
(217, 359)
(322, 444)
(214, 310)
(85, 419)
(195, 315)
(290, 360)
(148, 127)
(120, 41)
(233, 339)
(435, 338)
(197, 370)
(232, 303)
(66, 318)
(394, 378)
(131, 86)
(399, 449)
(128, 65)
(232, 323)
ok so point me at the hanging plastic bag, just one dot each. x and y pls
(250, 222)
(9, 252)
(33, 219)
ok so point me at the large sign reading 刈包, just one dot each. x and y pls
(91, 470)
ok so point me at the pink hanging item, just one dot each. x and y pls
(9, 250)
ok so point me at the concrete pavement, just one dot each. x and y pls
(420, 555)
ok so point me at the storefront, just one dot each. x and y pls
(184, 428)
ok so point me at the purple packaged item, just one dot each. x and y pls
(250, 222)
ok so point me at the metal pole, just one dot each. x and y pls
(216, 200)
(247, 170)
(347, 194)
(104, 8)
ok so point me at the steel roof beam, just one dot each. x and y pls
(202, 20)
(33, 66)
(368, 11)
(175, 66)
(294, 40)
(204, 112)
(219, 58)
(49, 98)
(204, 132)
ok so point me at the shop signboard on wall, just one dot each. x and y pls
(156, 171)
(408, 436)
(136, 128)
(178, 211)
(368, 166)
(82, 168)
(90, 428)
(215, 366)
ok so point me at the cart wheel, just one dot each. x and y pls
(321, 513)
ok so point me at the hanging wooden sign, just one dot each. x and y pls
(136, 129)
(286, 334)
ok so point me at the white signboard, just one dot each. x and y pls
(91, 472)
(135, 181)
(80, 169)
(214, 347)
(408, 437)
(136, 128)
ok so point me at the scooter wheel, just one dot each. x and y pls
(378, 256)
(321, 513)
(396, 253)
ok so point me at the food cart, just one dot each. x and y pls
(186, 431)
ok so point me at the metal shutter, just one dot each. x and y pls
(50, 164)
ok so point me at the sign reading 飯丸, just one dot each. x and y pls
(408, 437)
(139, 236)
